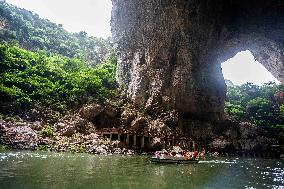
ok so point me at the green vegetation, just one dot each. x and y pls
(282, 110)
(55, 81)
(33, 33)
(47, 71)
(4, 147)
(77, 148)
(47, 131)
(255, 104)
(43, 147)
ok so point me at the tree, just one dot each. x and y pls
(34, 33)
(253, 103)
(29, 78)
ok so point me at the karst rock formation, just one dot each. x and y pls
(170, 51)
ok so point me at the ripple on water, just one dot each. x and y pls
(219, 161)
(33, 166)
(3, 157)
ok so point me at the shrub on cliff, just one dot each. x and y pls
(28, 78)
(47, 131)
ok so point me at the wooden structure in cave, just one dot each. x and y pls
(143, 140)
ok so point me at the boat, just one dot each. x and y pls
(173, 160)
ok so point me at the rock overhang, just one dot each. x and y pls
(170, 52)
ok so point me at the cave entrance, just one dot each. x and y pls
(243, 68)
(251, 90)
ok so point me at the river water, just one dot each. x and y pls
(37, 170)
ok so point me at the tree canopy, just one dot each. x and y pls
(34, 77)
(34, 33)
(256, 104)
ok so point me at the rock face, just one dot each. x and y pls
(237, 138)
(170, 51)
(20, 134)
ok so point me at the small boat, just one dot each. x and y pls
(173, 160)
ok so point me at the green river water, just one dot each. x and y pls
(36, 170)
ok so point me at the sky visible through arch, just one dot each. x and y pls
(243, 68)
(93, 16)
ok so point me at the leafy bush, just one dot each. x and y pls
(47, 131)
(57, 81)
(43, 147)
(4, 147)
(76, 148)
(234, 110)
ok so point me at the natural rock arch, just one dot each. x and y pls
(170, 51)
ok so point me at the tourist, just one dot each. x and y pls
(194, 154)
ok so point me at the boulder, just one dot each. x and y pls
(68, 131)
(90, 111)
(37, 125)
(23, 130)
(139, 123)
(128, 115)
(220, 143)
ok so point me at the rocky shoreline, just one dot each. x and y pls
(79, 132)
(34, 136)
(27, 136)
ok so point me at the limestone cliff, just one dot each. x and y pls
(170, 51)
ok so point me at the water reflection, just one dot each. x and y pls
(58, 170)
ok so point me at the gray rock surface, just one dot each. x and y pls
(170, 52)
(90, 111)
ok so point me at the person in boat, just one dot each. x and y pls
(202, 153)
(178, 155)
(187, 155)
(157, 155)
(167, 155)
(162, 154)
(177, 149)
(194, 154)
(173, 154)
